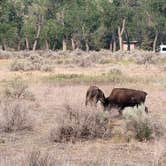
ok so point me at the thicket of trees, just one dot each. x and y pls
(84, 24)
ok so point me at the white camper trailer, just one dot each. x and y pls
(162, 48)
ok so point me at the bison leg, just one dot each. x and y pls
(86, 102)
(146, 109)
(93, 102)
(120, 111)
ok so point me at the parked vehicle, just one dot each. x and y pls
(162, 49)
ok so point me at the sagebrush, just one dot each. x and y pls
(78, 123)
(17, 88)
(16, 116)
(141, 124)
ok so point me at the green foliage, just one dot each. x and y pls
(138, 122)
(92, 24)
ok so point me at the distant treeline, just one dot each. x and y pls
(83, 24)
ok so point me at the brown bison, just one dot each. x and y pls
(122, 97)
(93, 95)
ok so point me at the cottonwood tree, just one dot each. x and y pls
(84, 24)
(36, 18)
(8, 28)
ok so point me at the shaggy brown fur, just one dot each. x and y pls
(122, 97)
(93, 95)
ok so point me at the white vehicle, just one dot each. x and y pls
(162, 49)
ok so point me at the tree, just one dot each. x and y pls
(8, 28)
(35, 19)
(84, 24)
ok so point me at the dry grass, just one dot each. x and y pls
(36, 158)
(17, 88)
(61, 105)
(15, 116)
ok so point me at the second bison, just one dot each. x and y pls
(122, 97)
(93, 95)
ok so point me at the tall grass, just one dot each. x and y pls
(17, 88)
(15, 116)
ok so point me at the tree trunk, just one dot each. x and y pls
(128, 40)
(120, 43)
(73, 44)
(54, 45)
(4, 46)
(27, 43)
(114, 46)
(64, 44)
(37, 37)
(113, 42)
(111, 46)
(46, 44)
(155, 42)
(120, 33)
(19, 45)
(77, 44)
(87, 46)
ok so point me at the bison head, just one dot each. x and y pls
(107, 104)
(101, 96)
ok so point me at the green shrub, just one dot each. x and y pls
(138, 122)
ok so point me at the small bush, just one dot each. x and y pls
(85, 63)
(78, 123)
(47, 68)
(18, 89)
(41, 63)
(34, 62)
(36, 158)
(146, 59)
(15, 116)
(20, 65)
(115, 71)
(115, 75)
(35, 58)
(105, 60)
(138, 122)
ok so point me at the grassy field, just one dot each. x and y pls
(34, 103)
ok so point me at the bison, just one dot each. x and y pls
(122, 97)
(93, 95)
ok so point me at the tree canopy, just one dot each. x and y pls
(83, 24)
